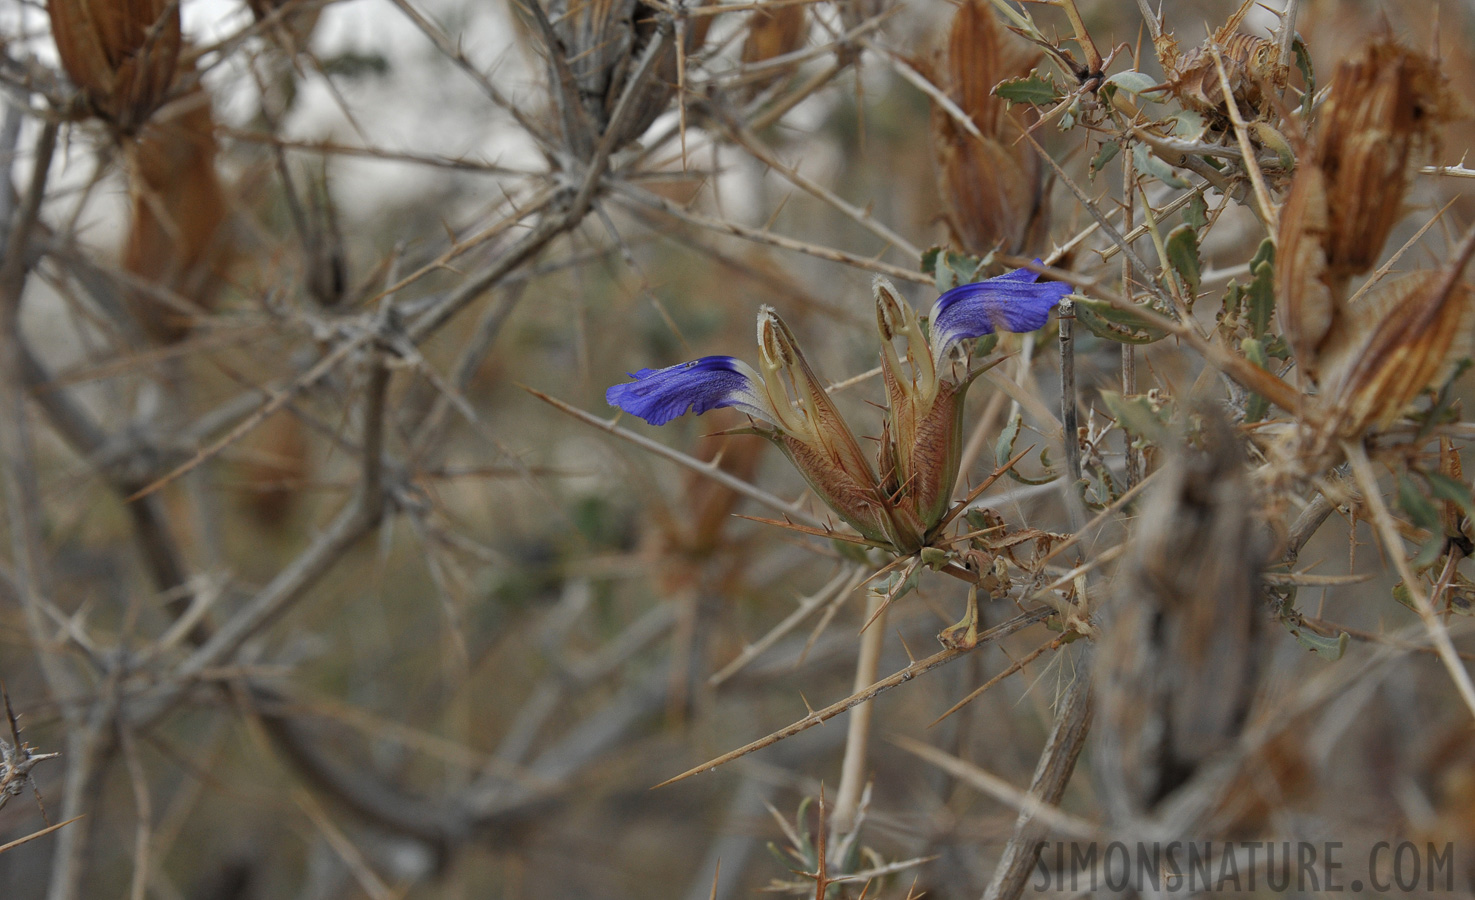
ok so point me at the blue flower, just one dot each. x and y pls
(712, 382)
(1009, 302)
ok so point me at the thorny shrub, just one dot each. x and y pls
(315, 519)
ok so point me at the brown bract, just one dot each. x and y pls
(992, 189)
(121, 53)
(175, 239)
(773, 33)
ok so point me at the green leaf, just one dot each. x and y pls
(1182, 250)
(1188, 125)
(1401, 594)
(1328, 648)
(1303, 62)
(1148, 165)
(1444, 487)
(949, 268)
(1136, 416)
(985, 345)
(1416, 506)
(1033, 88)
(1004, 450)
(929, 260)
(1257, 407)
(1197, 214)
(1114, 324)
(1136, 84)
(1109, 150)
(1261, 291)
(1273, 140)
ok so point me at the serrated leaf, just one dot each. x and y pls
(1233, 300)
(1150, 166)
(1114, 324)
(1197, 213)
(1182, 251)
(1109, 150)
(1033, 88)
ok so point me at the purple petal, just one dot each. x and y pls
(712, 382)
(1009, 302)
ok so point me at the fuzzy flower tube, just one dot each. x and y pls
(922, 442)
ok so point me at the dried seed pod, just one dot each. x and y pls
(1179, 663)
(121, 53)
(992, 189)
(1307, 308)
(1412, 331)
(1379, 124)
(773, 33)
(175, 239)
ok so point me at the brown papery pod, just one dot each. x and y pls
(1379, 124)
(121, 53)
(1417, 328)
(992, 189)
(773, 33)
(1304, 302)
(175, 238)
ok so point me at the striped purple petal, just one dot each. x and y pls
(712, 382)
(1010, 302)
